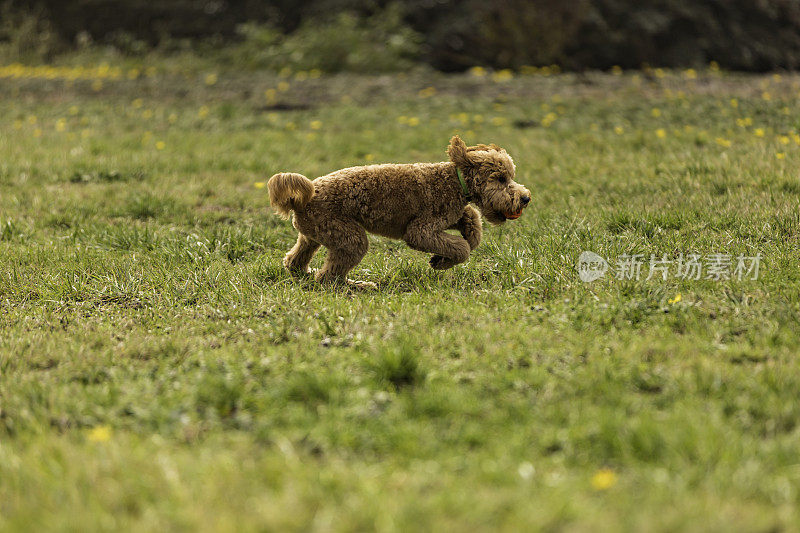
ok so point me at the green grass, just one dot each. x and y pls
(159, 369)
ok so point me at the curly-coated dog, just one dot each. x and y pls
(415, 202)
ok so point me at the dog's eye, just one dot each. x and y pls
(499, 176)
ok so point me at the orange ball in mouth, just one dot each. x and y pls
(513, 216)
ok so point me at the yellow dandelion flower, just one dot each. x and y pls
(271, 95)
(73, 110)
(725, 143)
(301, 75)
(413, 121)
(785, 110)
(594, 126)
(748, 121)
(32, 119)
(783, 139)
(690, 74)
(97, 85)
(427, 92)
(548, 119)
(619, 130)
(780, 155)
(211, 79)
(147, 114)
(656, 112)
(369, 157)
(61, 124)
(172, 118)
(17, 124)
(659, 72)
(498, 121)
(616, 70)
(291, 125)
(260, 184)
(133, 73)
(285, 72)
(160, 145)
(776, 77)
(713, 66)
(675, 300)
(502, 75)
(314, 73)
(310, 136)
(734, 103)
(477, 118)
(37, 133)
(137, 103)
(99, 434)
(604, 479)
(85, 133)
(766, 96)
(661, 133)
(741, 123)
(478, 72)
(796, 138)
(759, 132)
(402, 119)
(315, 124)
(283, 86)
(203, 111)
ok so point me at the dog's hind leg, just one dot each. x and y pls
(347, 244)
(449, 250)
(298, 258)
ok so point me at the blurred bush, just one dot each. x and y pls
(448, 34)
(26, 34)
(345, 42)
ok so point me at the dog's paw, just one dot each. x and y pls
(439, 262)
(362, 285)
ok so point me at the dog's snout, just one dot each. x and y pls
(525, 199)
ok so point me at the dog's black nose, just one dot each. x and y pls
(525, 200)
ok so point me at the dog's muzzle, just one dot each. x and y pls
(525, 200)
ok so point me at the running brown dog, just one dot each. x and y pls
(415, 202)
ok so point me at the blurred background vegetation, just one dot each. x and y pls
(379, 36)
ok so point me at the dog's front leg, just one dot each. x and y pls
(470, 226)
(449, 250)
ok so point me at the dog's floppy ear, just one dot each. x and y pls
(457, 151)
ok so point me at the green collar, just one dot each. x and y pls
(464, 189)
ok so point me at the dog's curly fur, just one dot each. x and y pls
(415, 202)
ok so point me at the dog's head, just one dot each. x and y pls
(490, 173)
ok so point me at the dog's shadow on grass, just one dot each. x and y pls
(389, 284)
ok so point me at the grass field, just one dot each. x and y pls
(160, 371)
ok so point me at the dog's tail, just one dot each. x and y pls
(289, 191)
